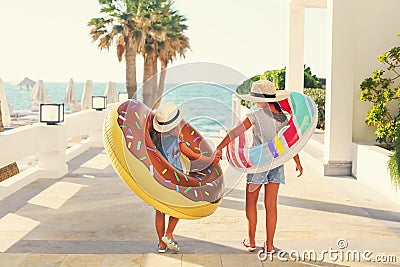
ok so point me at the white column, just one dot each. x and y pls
(96, 132)
(295, 66)
(236, 109)
(339, 94)
(53, 140)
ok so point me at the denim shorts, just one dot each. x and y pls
(276, 175)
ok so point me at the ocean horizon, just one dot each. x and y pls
(207, 106)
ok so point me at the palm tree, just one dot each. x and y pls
(120, 25)
(152, 25)
(141, 26)
(174, 43)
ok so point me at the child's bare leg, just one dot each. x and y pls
(172, 222)
(270, 202)
(252, 192)
(160, 227)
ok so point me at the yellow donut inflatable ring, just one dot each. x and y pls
(126, 137)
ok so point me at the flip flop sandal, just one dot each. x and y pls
(248, 247)
(162, 250)
(171, 244)
(274, 250)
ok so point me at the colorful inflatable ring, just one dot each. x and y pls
(289, 141)
(148, 174)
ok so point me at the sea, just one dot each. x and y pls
(208, 107)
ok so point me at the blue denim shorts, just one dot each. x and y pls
(276, 175)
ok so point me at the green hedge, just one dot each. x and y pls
(278, 78)
(318, 95)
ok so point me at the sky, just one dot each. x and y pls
(49, 40)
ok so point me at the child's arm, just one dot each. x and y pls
(298, 165)
(235, 132)
(193, 155)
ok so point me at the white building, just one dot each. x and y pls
(358, 32)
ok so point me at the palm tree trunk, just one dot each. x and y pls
(130, 60)
(154, 82)
(161, 84)
(147, 83)
(11, 169)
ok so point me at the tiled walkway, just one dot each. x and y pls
(90, 218)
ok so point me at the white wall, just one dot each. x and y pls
(49, 143)
(375, 31)
(370, 167)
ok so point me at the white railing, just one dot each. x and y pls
(239, 112)
(49, 143)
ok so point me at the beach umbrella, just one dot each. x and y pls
(39, 95)
(70, 95)
(111, 92)
(5, 114)
(26, 82)
(87, 94)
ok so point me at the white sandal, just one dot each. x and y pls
(248, 247)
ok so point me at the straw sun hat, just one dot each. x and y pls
(265, 91)
(167, 117)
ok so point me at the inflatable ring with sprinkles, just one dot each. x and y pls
(149, 175)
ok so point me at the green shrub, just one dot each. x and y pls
(382, 89)
(310, 80)
(394, 163)
(278, 78)
(245, 87)
(318, 95)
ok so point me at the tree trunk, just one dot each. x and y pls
(147, 83)
(11, 169)
(154, 84)
(130, 60)
(161, 84)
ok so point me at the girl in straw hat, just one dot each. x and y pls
(167, 123)
(267, 120)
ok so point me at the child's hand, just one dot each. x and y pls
(299, 168)
(217, 155)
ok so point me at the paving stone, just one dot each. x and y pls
(248, 260)
(12, 259)
(77, 260)
(198, 260)
(122, 260)
(45, 260)
(165, 259)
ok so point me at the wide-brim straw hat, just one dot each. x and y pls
(167, 117)
(265, 91)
